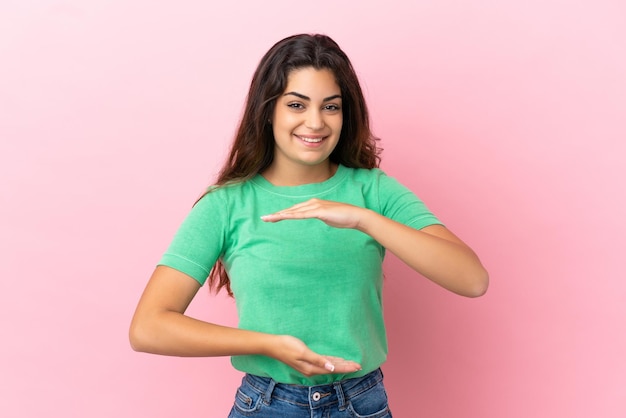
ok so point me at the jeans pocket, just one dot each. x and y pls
(372, 403)
(247, 401)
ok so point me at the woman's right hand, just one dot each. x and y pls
(294, 353)
(159, 326)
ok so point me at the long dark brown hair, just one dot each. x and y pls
(252, 150)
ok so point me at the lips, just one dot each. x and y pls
(311, 139)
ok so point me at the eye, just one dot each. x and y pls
(295, 105)
(332, 108)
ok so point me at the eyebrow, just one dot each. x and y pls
(303, 97)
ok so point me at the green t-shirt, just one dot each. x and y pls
(299, 277)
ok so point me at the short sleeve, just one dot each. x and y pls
(200, 239)
(399, 203)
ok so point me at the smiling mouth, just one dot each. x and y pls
(311, 140)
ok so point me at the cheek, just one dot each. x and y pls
(338, 124)
(284, 121)
(282, 129)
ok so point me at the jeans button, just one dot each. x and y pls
(317, 396)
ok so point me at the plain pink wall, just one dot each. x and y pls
(507, 118)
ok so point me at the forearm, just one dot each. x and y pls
(175, 334)
(160, 326)
(443, 259)
(172, 333)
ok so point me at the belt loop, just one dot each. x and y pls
(340, 396)
(267, 396)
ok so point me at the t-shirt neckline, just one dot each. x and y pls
(302, 190)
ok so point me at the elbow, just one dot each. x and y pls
(134, 339)
(137, 338)
(478, 284)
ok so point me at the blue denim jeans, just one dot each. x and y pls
(361, 397)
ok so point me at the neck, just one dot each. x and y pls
(298, 175)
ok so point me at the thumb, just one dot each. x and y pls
(328, 365)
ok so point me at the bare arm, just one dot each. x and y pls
(434, 251)
(160, 326)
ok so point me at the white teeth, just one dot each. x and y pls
(313, 140)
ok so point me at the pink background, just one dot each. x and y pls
(507, 118)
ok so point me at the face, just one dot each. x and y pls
(307, 119)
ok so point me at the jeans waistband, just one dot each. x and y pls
(314, 396)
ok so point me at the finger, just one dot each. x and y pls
(301, 204)
(299, 214)
(315, 364)
(340, 365)
(307, 205)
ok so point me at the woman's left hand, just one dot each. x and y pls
(338, 215)
(433, 251)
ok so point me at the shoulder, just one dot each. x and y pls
(364, 175)
(372, 179)
(219, 199)
(224, 191)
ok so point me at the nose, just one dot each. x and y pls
(314, 119)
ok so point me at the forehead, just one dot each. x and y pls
(309, 79)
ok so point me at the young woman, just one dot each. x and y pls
(296, 228)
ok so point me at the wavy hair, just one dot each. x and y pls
(252, 150)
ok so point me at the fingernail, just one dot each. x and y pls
(329, 366)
